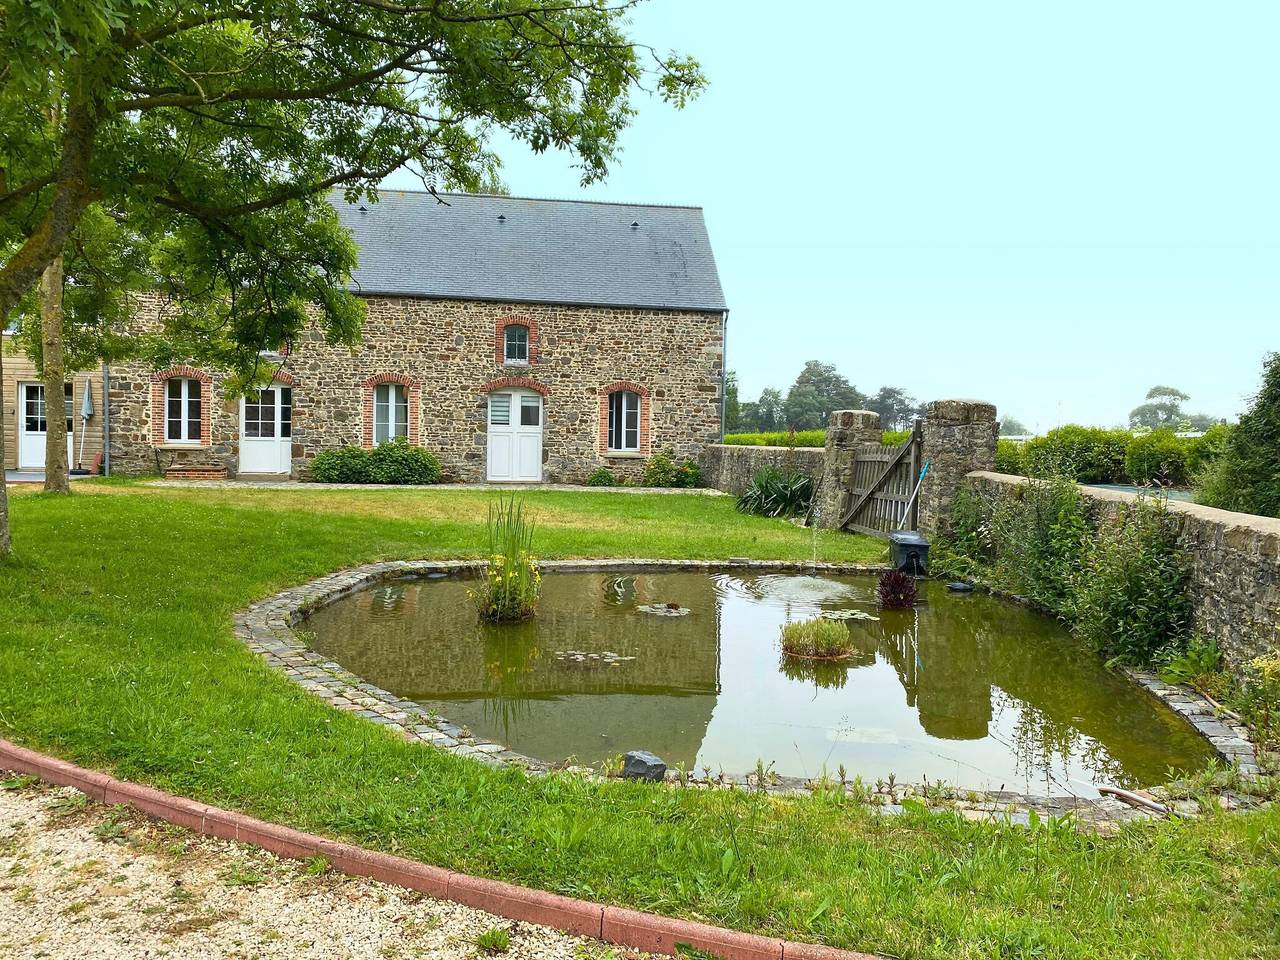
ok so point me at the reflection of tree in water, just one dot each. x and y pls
(510, 652)
(1039, 743)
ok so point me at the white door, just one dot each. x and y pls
(266, 431)
(515, 436)
(33, 426)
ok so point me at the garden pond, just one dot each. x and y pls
(968, 689)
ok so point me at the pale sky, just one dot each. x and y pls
(1049, 206)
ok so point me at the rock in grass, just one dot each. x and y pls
(643, 765)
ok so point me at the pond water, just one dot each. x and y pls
(966, 688)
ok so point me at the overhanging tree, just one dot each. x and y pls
(184, 115)
(215, 131)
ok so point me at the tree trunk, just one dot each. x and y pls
(6, 544)
(56, 478)
(72, 193)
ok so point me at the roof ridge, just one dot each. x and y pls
(505, 196)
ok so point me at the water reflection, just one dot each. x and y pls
(966, 689)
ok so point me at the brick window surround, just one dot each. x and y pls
(516, 383)
(413, 391)
(159, 382)
(605, 393)
(500, 338)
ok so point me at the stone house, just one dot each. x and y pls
(25, 413)
(517, 339)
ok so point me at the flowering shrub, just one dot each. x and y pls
(509, 589)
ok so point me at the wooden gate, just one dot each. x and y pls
(881, 486)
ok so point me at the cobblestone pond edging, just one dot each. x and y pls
(268, 629)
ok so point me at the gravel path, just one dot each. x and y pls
(82, 880)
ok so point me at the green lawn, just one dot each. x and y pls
(116, 651)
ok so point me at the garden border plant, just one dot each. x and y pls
(268, 629)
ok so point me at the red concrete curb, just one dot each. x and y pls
(627, 928)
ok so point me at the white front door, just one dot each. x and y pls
(266, 431)
(515, 436)
(33, 426)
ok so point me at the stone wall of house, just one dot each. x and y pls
(86, 446)
(446, 351)
(1235, 558)
(729, 467)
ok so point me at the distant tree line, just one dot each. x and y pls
(807, 404)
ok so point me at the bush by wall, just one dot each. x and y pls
(777, 492)
(1118, 578)
(661, 470)
(803, 438)
(1085, 454)
(1244, 476)
(1009, 458)
(344, 465)
(778, 438)
(1158, 458)
(602, 477)
(394, 462)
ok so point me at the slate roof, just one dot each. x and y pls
(480, 247)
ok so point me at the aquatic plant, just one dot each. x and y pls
(511, 584)
(817, 639)
(896, 590)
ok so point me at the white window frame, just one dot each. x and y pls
(507, 344)
(189, 430)
(622, 402)
(390, 412)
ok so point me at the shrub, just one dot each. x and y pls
(775, 492)
(660, 470)
(344, 465)
(1244, 476)
(1009, 458)
(1158, 457)
(896, 590)
(511, 584)
(778, 438)
(1204, 450)
(895, 438)
(602, 477)
(1036, 540)
(1129, 592)
(1085, 454)
(398, 462)
(960, 549)
(1259, 697)
(1197, 665)
(817, 639)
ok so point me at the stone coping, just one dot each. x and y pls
(617, 925)
(268, 629)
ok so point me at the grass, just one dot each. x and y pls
(818, 639)
(116, 652)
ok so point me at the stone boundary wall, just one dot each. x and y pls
(267, 629)
(1235, 565)
(729, 467)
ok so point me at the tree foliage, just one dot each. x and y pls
(214, 131)
(1245, 476)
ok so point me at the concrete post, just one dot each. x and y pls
(959, 436)
(847, 431)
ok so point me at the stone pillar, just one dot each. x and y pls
(848, 430)
(959, 437)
